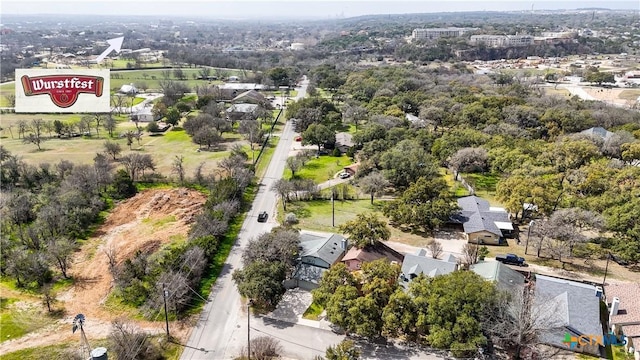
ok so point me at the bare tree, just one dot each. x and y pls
(283, 188)
(98, 119)
(294, 164)
(263, 348)
(35, 136)
(111, 254)
(435, 248)
(110, 124)
(177, 167)
(129, 342)
(130, 135)
(11, 99)
(48, 296)
(469, 160)
(470, 253)
(60, 250)
(136, 163)
(22, 128)
(112, 148)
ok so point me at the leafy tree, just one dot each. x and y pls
(294, 164)
(338, 275)
(469, 160)
(279, 76)
(426, 203)
(153, 127)
(262, 282)
(283, 188)
(366, 230)
(339, 304)
(123, 186)
(346, 350)
(406, 162)
(400, 316)
(112, 148)
(373, 184)
(318, 134)
(172, 116)
(35, 136)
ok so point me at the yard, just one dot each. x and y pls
(321, 169)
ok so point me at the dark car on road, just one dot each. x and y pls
(263, 216)
(511, 259)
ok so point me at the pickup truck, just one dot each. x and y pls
(511, 259)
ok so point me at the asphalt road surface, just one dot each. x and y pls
(221, 329)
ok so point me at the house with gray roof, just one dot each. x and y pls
(240, 111)
(598, 132)
(482, 223)
(250, 97)
(419, 263)
(576, 308)
(503, 276)
(318, 252)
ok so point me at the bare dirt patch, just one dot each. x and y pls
(150, 219)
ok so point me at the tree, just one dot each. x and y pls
(136, 163)
(153, 127)
(109, 124)
(435, 248)
(159, 110)
(470, 252)
(112, 148)
(130, 135)
(354, 114)
(427, 203)
(406, 162)
(318, 134)
(294, 164)
(207, 136)
(469, 160)
(400, 315)
(346, 350)
(128, 342)
(98, 119)
(48, 296)
(283, 188)
(261, 282)
(35, 136)
(279, 76)
(264, 348)
(177, 167)
(338, 275)
(251, 131)
(366, 230)
(373, 184)
(569, 226)
(279, 245)
(172, 116)
(60, 250)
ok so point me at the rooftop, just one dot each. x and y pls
(495, 271)
(372, 253)
(476, 215)
(325, 246)
(629, 308)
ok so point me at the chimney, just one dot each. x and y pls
(615, 305)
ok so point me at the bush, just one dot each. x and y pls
(336, 152)
(291, 219)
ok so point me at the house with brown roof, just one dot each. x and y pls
(355, 257)
(623, 301)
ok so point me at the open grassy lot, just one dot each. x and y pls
(163, 148)
(557, 92)
(153, 77)
(321, 169)
(484, 185)
(629, 94)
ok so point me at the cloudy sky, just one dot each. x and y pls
(256, 9)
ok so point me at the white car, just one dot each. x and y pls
(344, 175)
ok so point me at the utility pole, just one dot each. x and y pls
(333, 208)
(165, 292)
(526, 244)
(249, 303)
(606, 268)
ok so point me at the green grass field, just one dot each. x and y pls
(321, 169)
(163, 148)
(317, 214)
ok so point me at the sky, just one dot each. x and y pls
(256, 9)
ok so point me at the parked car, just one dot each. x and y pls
(512, 259)
(263, 216)
(344, 175)
(298, 138)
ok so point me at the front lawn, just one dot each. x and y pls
(321, 169)
(317, 214)
(313, 311)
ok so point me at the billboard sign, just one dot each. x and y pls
(62, 91)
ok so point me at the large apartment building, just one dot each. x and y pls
(502, 40)
(436, 33)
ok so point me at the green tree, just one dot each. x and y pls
(123, 186)
(172, 116)
(279, 76)
(400, 316)
(318, 134)
(346, 350)
(406, 162)
(366, 230)
(338, 275)
(339, 304)
(373, 184)
(262, 282)
(426, 203)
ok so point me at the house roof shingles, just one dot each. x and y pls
(242, 108)
(504, 276)
(577, 303)
(476, 215)
(372, 253)
(327, 247)
(418, 263)
(629, 309)
(252, 95)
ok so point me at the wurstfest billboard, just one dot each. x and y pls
(62, 91)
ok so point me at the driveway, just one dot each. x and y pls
(293, 304)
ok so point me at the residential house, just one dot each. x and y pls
(483, 224)
(503, 276)
(355, 257)
(318, 252)
(242, 111)
(419, 263)
(598, 132)
(129, 89)
(143, 115)
(351, 169)
(344, 141)
(575, 309)
(624, 312)
(250, 97)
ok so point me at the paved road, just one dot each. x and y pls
(223, 320)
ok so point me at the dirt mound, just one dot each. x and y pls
(149, 220)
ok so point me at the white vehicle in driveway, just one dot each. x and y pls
(344, 175)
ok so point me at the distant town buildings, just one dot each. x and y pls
(436, 33)
(502, 40)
